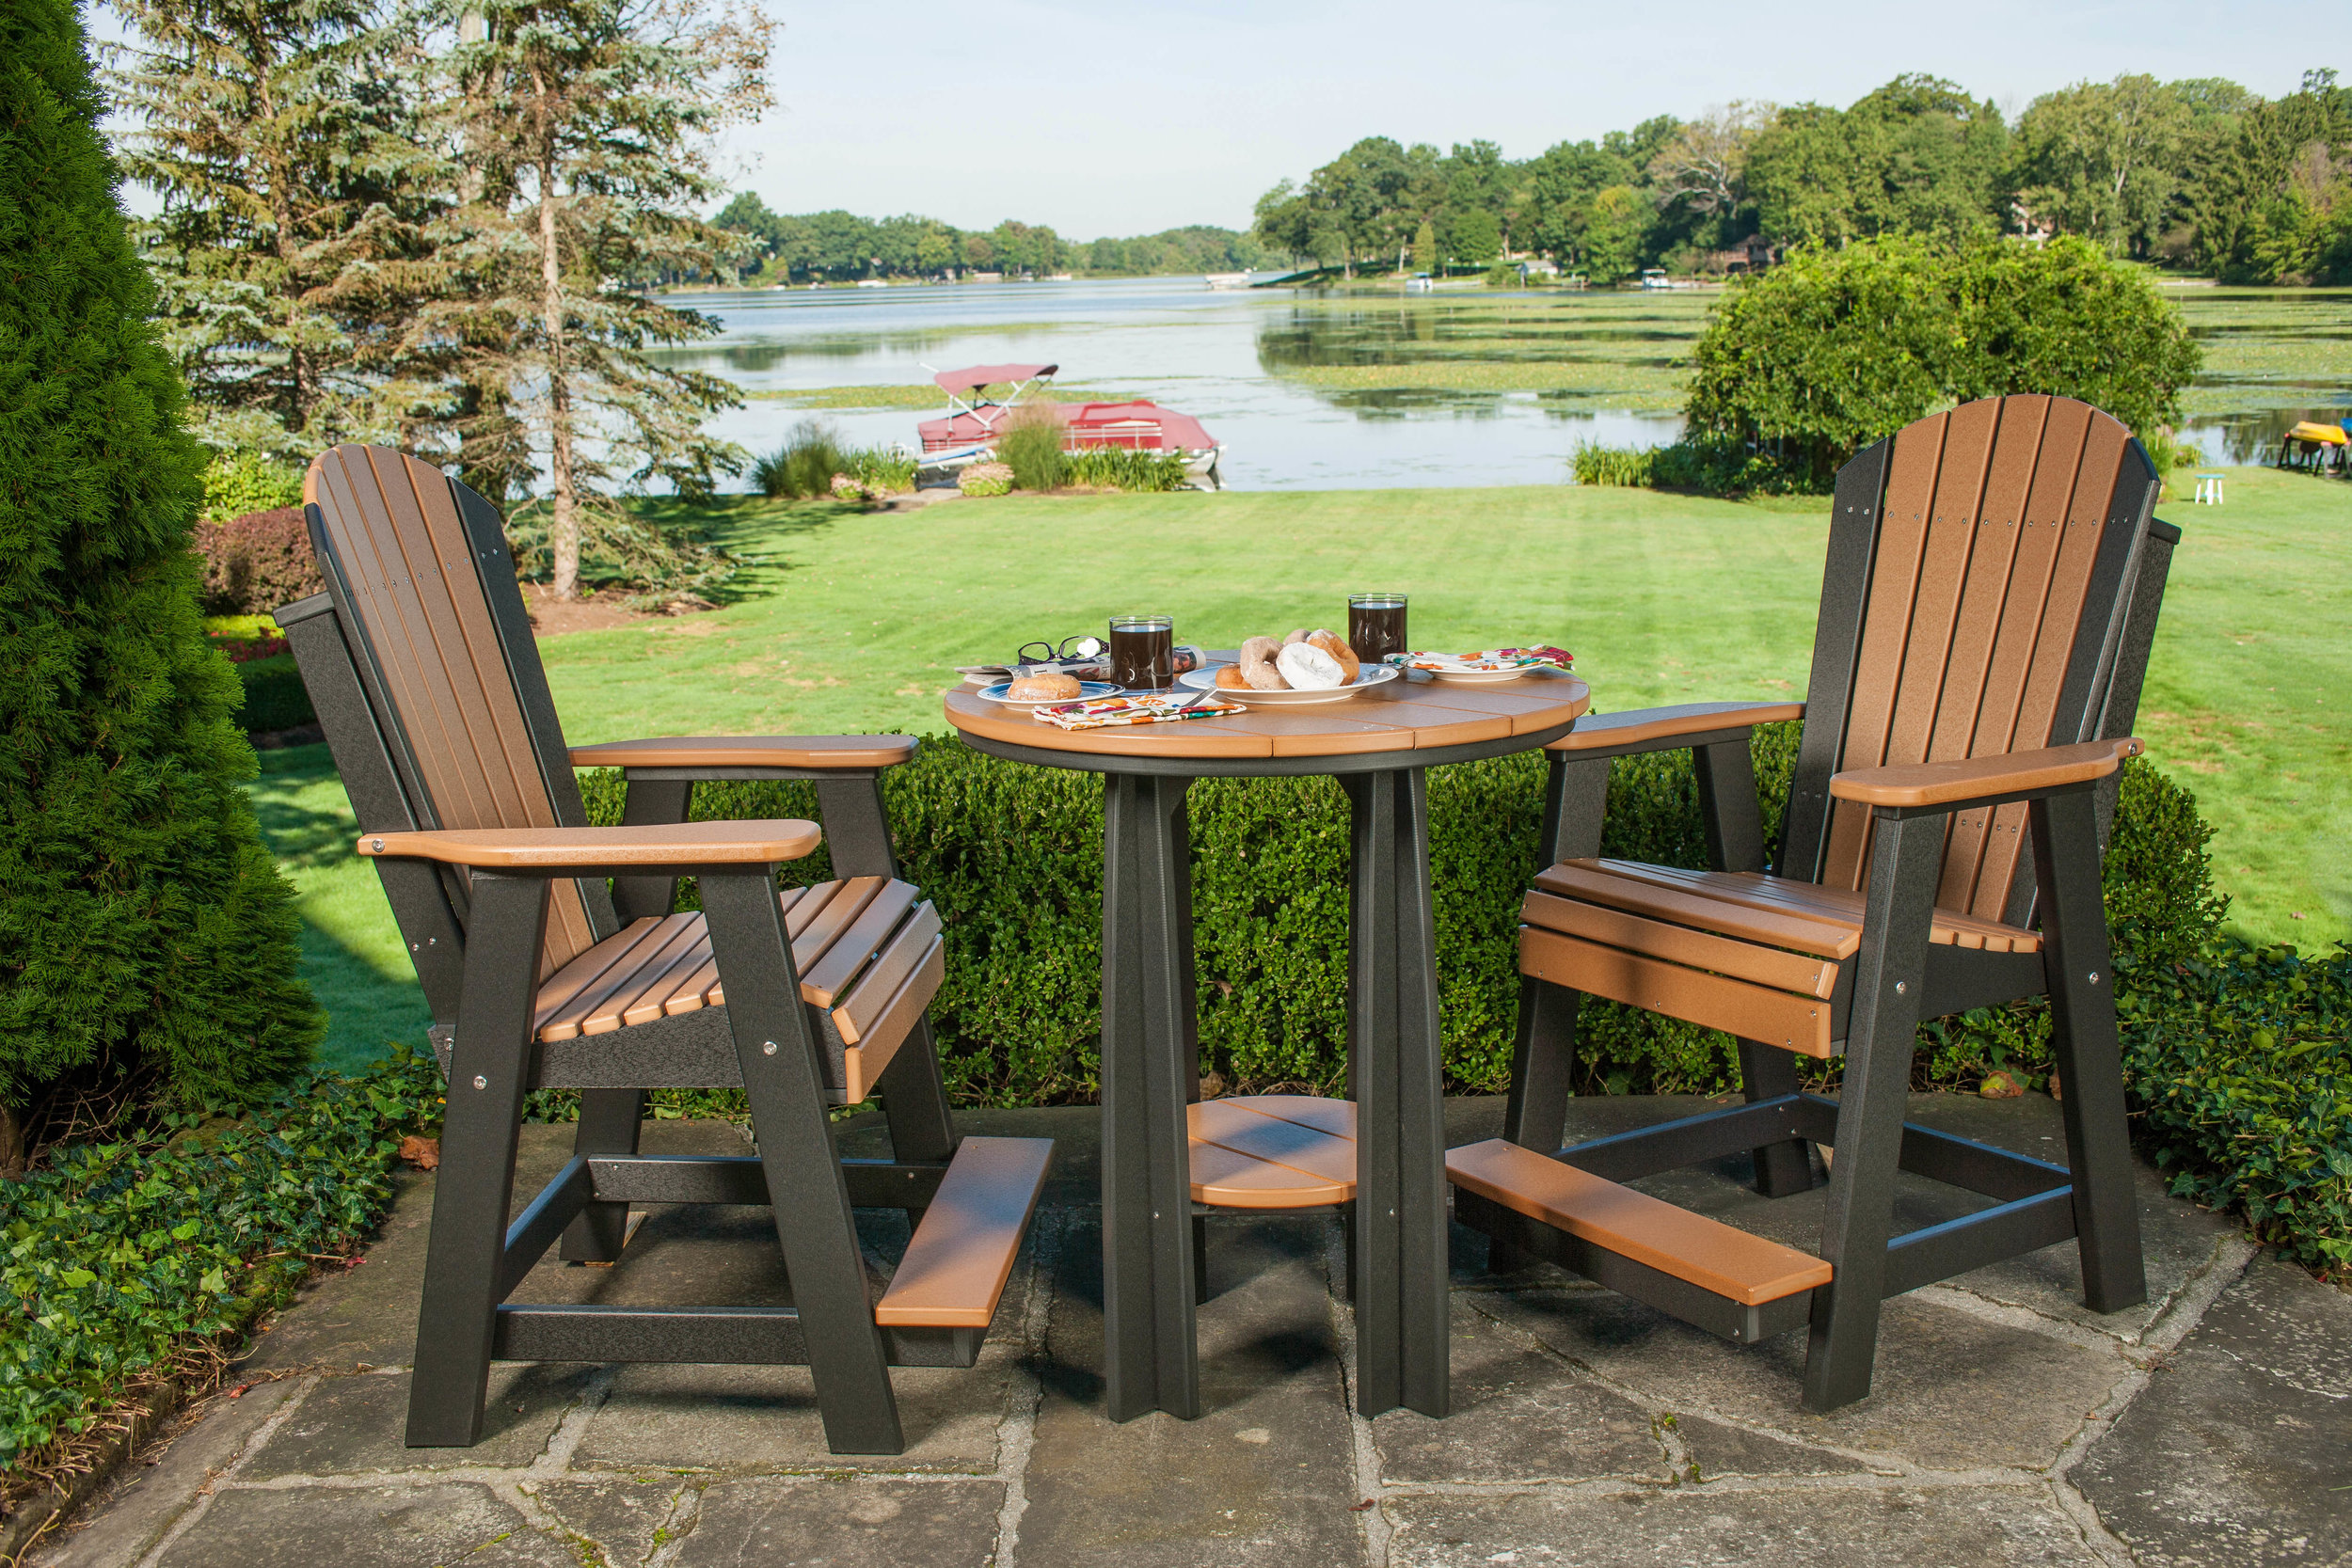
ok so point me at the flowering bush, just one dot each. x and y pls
(986, 479)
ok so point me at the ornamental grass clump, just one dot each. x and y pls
(146, 938)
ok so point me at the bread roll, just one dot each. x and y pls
(1307, 668)
(1230, 677)
(1052, 686)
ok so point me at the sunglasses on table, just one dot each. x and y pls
(1069, 647)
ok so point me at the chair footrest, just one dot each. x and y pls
(1707, 1253)
(956, 1266)
(1272, 1151)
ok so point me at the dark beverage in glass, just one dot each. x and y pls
(1376, 626)
(1143, 652)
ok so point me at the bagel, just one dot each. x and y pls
(1257, 664)
(1307, 668)
(1051, 687)
(1341, 655)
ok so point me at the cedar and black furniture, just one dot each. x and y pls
(1169, 1157)
(1992, 588)
(419, 660)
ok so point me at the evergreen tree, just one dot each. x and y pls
(580, 133)
(279, 135)
(142, 927)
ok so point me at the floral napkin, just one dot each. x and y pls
(1105, 711)
(1488, 660)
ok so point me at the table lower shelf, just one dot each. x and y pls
(1272, 1151)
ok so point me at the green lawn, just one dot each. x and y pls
(853, 622)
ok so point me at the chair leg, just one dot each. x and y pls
(857, 826)
(1768, 1072)
(914, 1104)
(609, 1120)
(1543, 1062)
(2082, 1018)
(1905, 858)
(465, 1260)
(808, 1198)
(1199, 1260)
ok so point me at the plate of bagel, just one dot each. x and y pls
(1304, 667)
(1053, 686)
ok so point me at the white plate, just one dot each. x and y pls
(1479, 678)
(1088, 692)
(1203, 680)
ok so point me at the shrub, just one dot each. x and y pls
(274, 697)
(144, 931)
(1031, 448)
(879, 471)
(240, 482)
(1835, 349)
(1625, 467)
(1012, 855)
(133, 1261)
(804, 465)
(258, 563)
(1124, 468)
(985, 478)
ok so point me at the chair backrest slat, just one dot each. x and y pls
(398, 551)
(1999, 580)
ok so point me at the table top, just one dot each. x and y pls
(1438, 721)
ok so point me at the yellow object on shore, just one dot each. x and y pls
(2326, 435)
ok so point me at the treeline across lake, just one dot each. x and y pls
(2200, 175)
(838, 247)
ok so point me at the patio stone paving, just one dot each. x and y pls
(2008, 1425)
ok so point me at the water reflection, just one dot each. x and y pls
(1292, 381)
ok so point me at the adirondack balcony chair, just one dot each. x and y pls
(419, 660)
(1992, 581)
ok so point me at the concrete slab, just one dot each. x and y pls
(1813, 1527)
(841, 1522)
(615, 1521)
(1716, 1450)
(1266, 1477)
(1951, 1391)
(756, 1420)
(2240, 1451)
(1518, 1414)
(148, 1496)
(354, 1425)
(371, 1526)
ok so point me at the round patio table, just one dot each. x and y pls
(1381, 746)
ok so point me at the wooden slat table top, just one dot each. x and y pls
(1410, 714)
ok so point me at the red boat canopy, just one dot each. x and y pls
(984, 375)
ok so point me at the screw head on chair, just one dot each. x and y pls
(767, 1048)
(480, 1082)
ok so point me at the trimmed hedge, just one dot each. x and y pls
(2236, 1057)
(274, 697)
(1012, 856)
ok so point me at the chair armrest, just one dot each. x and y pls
(1969, 779)
(1661, 729)
(584, 849)
(751, 751)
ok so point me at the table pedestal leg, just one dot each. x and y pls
(1150, 1074)
(1401, 1327)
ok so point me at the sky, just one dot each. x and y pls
(1103, 118)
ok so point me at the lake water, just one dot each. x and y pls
(1171, 340)
(1246, 363)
